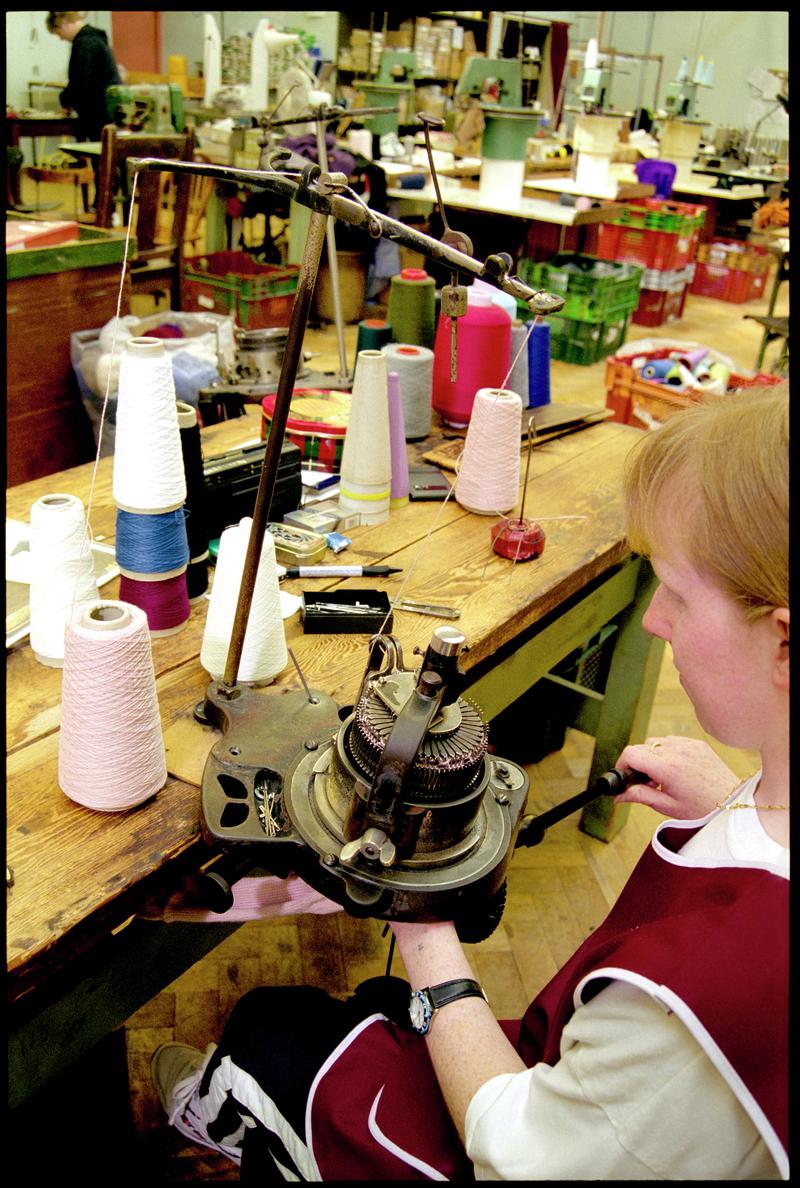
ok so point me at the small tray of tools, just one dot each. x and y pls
(346, 611)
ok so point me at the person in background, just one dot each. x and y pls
(660, 1050)
(92, 69)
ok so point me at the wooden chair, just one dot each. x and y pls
(78, 177)
(775, 328)
(200, 190)
(162, 206)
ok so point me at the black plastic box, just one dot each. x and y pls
(231, 482)
(318, 621)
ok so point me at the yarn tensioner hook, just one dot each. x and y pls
(519, 539)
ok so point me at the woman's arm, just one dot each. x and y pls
(467, 1046)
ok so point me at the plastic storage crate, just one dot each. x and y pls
(661, 250)
(258, 296)
(662, 214)
(731, 271)
(663, 296)
(657, 306)
(585, 343)
(594, 290)
(655, 233)
(628, 394)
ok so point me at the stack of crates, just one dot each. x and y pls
(731, 270)
(258, 296)
(599, 297)
(662, 237)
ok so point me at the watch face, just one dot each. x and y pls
(419, 1011)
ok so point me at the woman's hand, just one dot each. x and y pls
(686, 776)
(254, 898)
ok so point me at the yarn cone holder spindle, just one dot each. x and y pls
(516, 538)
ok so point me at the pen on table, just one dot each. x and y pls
(324, 571)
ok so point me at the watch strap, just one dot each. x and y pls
(451, 991)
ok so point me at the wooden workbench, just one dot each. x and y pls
(78, 963)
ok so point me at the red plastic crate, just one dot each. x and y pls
(735, 285)
(663, 250)
(626, 391)
(657, 306)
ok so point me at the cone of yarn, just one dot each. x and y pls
(483, 346)
(111, 751)
(397, 436)
(195, 506)
(539, 364)
(148, 459)
(488, 473)
(373, 333)
(151, 547)
(414, 368)
(366, 469)
(518, 379)
(412, 307)
(165, 601)
(264, 652)
(62, 574)
(504, 300)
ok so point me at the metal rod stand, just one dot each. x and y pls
(292, 353)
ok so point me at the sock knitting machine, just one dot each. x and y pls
(392, 807)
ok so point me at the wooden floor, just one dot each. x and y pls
(558, 891)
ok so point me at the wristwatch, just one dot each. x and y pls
(424, 1002)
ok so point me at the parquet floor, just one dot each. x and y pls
(558, 891)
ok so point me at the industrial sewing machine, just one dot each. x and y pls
(146, 107)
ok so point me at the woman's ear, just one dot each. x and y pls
(779, 620)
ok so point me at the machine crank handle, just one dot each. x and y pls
(213, 885)
(611, 783)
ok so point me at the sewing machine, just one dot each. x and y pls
(595, 88)
(681, 98)
(497, 79)
(146, 107)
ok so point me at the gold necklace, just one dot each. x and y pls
(738, 804)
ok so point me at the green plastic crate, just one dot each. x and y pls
(584, 343)
(661, 214)
(594, 290)
(258, 295)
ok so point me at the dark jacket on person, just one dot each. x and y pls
(91, 69)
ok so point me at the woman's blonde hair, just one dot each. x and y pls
(715, 476)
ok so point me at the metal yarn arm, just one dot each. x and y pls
(324, 193)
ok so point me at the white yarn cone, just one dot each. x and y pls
(366, 469)
(62, 573)
(488, 473)
(264, 652)
(148, 458)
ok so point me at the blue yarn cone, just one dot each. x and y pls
(539, 365)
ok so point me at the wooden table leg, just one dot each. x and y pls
(625, 711)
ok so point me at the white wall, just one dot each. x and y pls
(182, 32)
(739, 41)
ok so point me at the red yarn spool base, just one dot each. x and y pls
(518, 540)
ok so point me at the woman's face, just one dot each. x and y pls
(724, 661)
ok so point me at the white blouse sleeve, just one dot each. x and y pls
(633, 1096)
